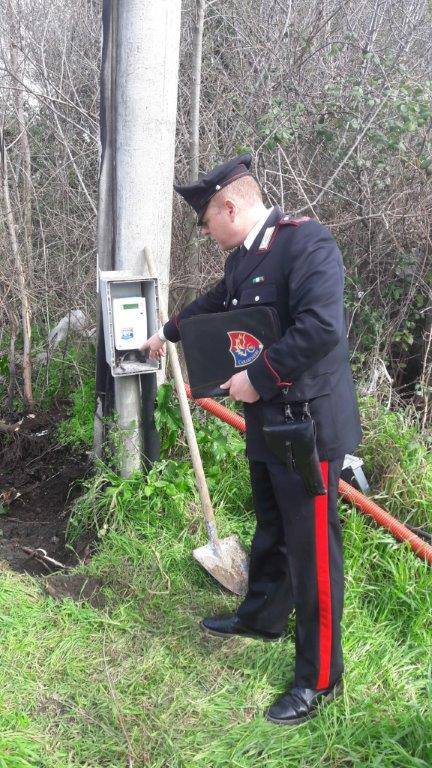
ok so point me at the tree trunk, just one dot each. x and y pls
(17, 70)
(21, 273)
(194, 134)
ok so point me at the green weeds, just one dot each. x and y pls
(111, 502)
(69, 368)
(77, 430)
(398, 462)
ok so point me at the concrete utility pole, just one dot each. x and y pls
(146, 78)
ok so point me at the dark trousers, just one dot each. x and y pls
(296, 562)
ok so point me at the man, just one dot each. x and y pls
(296, 554)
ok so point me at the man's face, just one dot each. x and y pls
(219, 222)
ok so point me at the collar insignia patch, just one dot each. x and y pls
(266, 238)
(244, 347)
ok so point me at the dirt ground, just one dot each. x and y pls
(38, 483)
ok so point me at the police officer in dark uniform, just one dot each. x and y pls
(295, 266)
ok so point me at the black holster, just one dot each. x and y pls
(293, 441)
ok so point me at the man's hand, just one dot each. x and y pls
(240, 388)
(156, 347)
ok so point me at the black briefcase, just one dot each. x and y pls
(220, 344)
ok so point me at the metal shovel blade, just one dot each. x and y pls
(230, 568)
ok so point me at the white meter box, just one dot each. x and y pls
(129, 310)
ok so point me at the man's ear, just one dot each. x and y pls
(231, 207)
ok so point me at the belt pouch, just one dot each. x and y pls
(294, 443)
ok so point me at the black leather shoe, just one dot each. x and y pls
(225, 626)
(300, 704)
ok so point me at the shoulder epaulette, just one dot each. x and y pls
(287, 221)
(271, 232)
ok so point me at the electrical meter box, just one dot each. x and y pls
(129, 311)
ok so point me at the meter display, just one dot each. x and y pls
(130, 322)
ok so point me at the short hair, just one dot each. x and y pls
(245, 189)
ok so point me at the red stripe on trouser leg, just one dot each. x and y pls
(324, 587)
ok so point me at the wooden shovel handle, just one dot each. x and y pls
(206, 505)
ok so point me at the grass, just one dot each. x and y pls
(137, 684)
(79, 684)
(398, 462)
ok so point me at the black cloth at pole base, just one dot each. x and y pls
(151, 447)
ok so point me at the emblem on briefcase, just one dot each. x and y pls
(244, 347)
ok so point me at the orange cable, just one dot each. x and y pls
(367, 506)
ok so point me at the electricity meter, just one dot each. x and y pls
(130, 322)
(129, 311)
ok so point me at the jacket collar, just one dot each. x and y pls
(249, 262)
(250, 238)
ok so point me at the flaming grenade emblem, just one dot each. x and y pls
(244, 347)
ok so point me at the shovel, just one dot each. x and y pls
(225, 559)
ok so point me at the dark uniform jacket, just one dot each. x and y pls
(301, 275)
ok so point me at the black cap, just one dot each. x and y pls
(199, 194)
